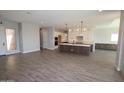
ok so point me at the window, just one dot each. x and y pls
(114, 37)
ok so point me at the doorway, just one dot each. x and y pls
(7, 41)
(10, 40)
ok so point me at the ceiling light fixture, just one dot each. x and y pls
(82, 29)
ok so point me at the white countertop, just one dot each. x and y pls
(86, 45)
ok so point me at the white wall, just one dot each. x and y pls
(103, 32)
(30, 40)
(103, 35)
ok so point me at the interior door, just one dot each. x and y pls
(2, 41)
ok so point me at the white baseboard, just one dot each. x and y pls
(31, 51)
(13, 52)
(51, 48)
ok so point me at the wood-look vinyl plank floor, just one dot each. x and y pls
(54, 66)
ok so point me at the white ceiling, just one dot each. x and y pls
(59, 18)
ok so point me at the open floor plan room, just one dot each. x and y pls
(61, 46)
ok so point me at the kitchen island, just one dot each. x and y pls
(83, 49)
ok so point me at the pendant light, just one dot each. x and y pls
(81, 30)
(66, 28)
(66, 31)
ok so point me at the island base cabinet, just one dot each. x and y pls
(75, 49)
